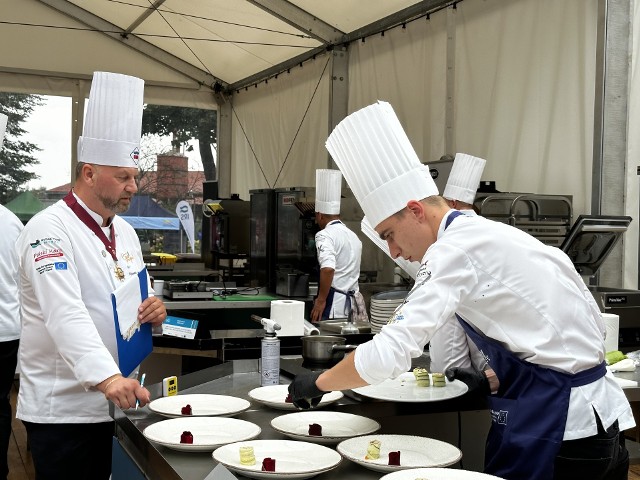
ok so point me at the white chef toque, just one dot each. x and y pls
(464, 178)
(3, 126)
(328, 190)
(377, 160)
(113, 124)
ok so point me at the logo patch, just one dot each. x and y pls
(135, 155)
(499, 416)
(60, 265)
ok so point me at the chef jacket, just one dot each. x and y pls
(68, 342)
(340, 249)
(514, 289)
(450, 346)
(9, 302)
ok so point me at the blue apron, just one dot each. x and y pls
(529, 411)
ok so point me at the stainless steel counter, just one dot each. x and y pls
(441, 420)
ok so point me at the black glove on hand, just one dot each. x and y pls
(474, 379)
(303, 391)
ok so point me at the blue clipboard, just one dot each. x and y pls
(133, 351)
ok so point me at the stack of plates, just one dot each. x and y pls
(383, 305)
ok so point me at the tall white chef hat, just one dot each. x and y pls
(113, 124)
(377, 160)
(3, 126)
(464, 178)
(328, 190)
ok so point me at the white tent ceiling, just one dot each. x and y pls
(188, 46)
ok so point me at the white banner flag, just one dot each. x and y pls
(185, 214)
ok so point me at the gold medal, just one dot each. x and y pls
(119, 273)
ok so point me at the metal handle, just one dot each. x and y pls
(343, 348)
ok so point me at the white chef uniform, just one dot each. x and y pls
(9, 303)
(337, 247)
(450, 346)
(475, 269)
(69, 346)
(68, 342)
(340, 249)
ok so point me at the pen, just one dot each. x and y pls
(142, 385)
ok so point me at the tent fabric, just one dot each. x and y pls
(145, 214)
(25, 206)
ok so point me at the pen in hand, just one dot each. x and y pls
(142, 385)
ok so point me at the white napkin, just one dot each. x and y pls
(625, 365)
(127, 296)
(626, 383)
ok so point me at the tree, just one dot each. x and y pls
(183, 124)
(16, 154)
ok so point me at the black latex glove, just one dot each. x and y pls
(474, 379)
(303, 391)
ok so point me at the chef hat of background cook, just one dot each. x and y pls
(3, 126)
(464, 178)
(328, 191)
(113, 123)
(377, 160)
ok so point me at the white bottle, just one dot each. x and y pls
(270, 354)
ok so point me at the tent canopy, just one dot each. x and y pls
(25, 206)
(145, 214)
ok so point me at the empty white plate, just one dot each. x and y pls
(336, 426)
(202, 405)
(294, 460)
(274, 396)
(414, 452)
(405, 389)
(437, 474)
(208, 433)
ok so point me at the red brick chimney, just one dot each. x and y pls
(172, 176)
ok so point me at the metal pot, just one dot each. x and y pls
(324, 348)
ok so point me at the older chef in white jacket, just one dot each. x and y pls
(9, 317)
(557, 412)
(72, 257)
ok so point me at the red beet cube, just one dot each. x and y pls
(186, 410)
(186, 437)
(288, 399)
(269, 465)
(315, 429)
(394, 458)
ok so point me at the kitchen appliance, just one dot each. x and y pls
(546, 217)
(282, 240)
(197, 290)
(589, 242)
(229, 225)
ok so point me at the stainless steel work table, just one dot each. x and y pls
(435, 420)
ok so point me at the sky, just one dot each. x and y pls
(49, 127)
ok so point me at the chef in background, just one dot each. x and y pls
(9, 317)
(73, 255)
(339, 253)
(450, 346)
(556, 413)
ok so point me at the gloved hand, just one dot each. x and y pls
(303, 391)
(473, 378)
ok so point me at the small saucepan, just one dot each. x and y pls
(324, 348)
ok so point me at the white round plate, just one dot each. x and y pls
(336, 426)
(437, 474)
(202, 405)
(294, 460)
(389, 296)
(405, 389)
(208, 432)
(414, 452)
(274, 396)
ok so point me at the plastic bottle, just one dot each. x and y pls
(270, 354)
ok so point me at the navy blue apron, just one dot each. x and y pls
(529, 411)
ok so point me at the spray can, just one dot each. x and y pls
(270, 353)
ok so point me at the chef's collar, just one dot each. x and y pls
(97, 217)
(443, 222)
